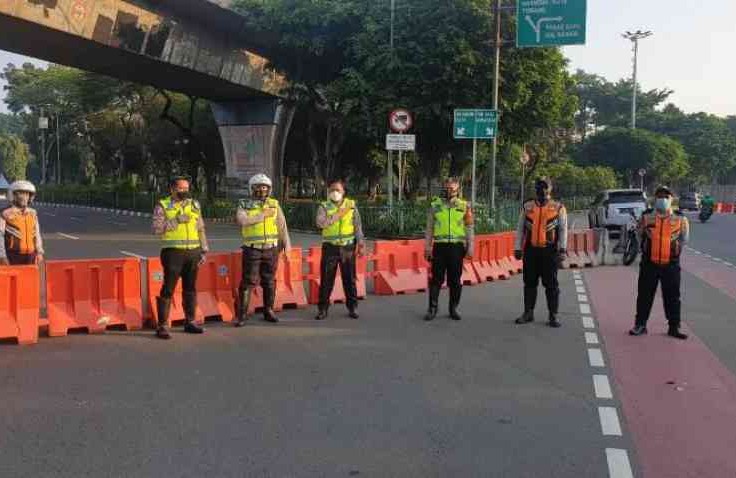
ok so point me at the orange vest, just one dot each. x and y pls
(20, 230)
(542, 223)
(661, 240)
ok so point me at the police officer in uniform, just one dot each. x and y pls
(541, 241)
(20, 234)
(448, 239)
(178, 220)
(663, 234)
(342, 241)
(263, 227)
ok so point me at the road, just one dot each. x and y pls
(387, 395)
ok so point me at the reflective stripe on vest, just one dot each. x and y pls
(542, 222)
(342, 232)
(663, 237)
(449, 224)
(185, 236)
(20, 231)
(264, 233)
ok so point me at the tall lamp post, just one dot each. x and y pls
(634, 37)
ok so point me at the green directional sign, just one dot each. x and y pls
(550, 22)
(475, 124)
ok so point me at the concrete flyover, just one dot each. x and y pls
(196, 47)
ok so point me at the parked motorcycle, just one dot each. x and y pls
(630, 240)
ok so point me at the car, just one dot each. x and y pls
(612, 208)
(690, 201)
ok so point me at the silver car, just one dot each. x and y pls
(612, 208)
(690, 201)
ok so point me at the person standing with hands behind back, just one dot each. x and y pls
(448, 241)
(178, 220)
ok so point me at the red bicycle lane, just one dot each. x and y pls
(678, 399)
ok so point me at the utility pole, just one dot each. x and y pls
(43, 124)
(58, 152)
(390, 165)
(634, 37)
(496, 73)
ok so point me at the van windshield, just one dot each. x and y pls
(618, 197)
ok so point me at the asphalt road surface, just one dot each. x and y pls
(387, 395)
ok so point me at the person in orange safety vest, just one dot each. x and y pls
(20, 233)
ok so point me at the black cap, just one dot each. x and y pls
(663, 189)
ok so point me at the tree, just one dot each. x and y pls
(626, 151)
(11, 124)
(571, 180)
(14, 155)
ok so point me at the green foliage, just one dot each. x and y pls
(626, 151)
(571, 180)
(14, 157)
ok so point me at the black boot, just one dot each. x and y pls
(434, 296)
(321, 314)
(190, 308)
(353, 312)
(640, 328)
(163, 307)
(530, 301)
(454, 302)
(553, 305)
(674, 331)
(243, 304)
(269, 299)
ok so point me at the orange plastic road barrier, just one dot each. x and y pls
(314, 256)
(289, 282)
(214, 290)
(719, 207)
(400, 267)
(516, 263)
(93, 295)
(504, 252)
(469, 277)
(19, 303)
(485, 261)
(727, 208)
(584, 245)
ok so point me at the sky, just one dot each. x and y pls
(691, 51)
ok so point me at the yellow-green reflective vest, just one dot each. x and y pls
(449, 224)
(342, 232)
(264, 233)
(186, 235)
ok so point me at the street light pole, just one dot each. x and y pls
(634, 37)
(496, 73)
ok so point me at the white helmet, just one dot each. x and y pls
(22, 186)
(258, 179)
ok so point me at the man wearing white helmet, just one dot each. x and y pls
(265, 235)
(21, 242)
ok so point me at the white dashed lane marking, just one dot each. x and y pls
(595, 357)
(588, 323)
(602, 387)
(591, 338)
(68, 236)
(584, 308)
(618, 463)
(610, 426)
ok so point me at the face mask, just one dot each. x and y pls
(261, 194)
(449, 193)
(335, 196)
(21, 201)
(541, 194)
(182, 195)
(662, 204)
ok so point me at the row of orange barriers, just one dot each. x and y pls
(95, 295)
(725, 208)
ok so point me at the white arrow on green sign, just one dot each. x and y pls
(550, 22)
(475, 124)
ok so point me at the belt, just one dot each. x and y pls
(261, 247)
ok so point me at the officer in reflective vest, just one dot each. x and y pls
(342, 241)
(264, 232)
(448, 241)
(663, 234)
(178, 220)
(20, 234)
(541, 241)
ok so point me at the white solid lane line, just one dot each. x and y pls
(610, 426)
(132, 254)
(588, 323)
(591, 338)
(72, 218)
(602, 386)
(48, 214)
(618, 463)
(595, 357)
(68, 236)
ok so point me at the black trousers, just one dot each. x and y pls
(16, 259)
(260, 266)
(332, 257)
(541, 262)
(447, 261)
(650, 275)
(178, 263)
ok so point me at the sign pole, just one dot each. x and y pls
(496, 69)
(523, 174)
(472, 193)
(390, 182)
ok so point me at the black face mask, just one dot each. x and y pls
(448, 194)
(182, 195)
(541, 194)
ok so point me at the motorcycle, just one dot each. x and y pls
(705, 213)
(630, 240)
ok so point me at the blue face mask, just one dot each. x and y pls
(663, 204)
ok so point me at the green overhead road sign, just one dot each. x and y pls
(550, 22)
(475, 124)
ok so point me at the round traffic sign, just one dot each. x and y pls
(642, 172)
(400, 121)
